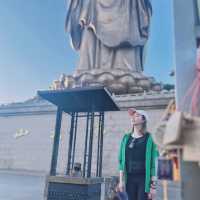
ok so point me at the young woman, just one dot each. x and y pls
(137, 157)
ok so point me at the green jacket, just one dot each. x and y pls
(151, 154)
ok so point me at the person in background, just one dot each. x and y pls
(137, 157)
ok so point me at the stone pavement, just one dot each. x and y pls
(14, 186)
(18, 186)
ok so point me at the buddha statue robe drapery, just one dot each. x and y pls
(109, 34)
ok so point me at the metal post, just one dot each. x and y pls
(90, 146)
(56, 142)
(101, 145)
(70, 145)
(98, 146)
(74, 139)
(86, 144)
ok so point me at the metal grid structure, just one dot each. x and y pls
(91, 104)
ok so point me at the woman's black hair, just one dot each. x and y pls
(145, 122)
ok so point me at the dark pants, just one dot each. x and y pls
(135, 187)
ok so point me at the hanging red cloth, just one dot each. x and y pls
(194, 91)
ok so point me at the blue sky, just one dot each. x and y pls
(34, 50)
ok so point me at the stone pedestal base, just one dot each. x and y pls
(69, 188)
(117, 81)
(190, 173)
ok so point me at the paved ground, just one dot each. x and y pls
(14, 186)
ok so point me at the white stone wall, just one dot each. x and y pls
(33, 151)
(30, 152)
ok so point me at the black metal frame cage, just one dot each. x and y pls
(89, 103)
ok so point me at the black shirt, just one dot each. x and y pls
(136, 154)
